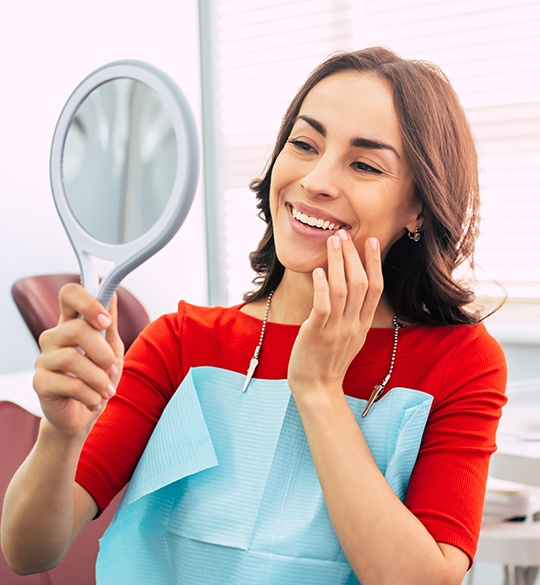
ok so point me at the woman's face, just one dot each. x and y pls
(343, 166)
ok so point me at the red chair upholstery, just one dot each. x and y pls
(36, 298)
(18, 432)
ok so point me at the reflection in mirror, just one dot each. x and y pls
(119, 161)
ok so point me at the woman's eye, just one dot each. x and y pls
(301, 145)
(365, 168)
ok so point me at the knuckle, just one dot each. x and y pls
(116, 348)
(44, 339)
(74, 296)
(93, 400)
(66, 292)
(377, 286)
(101, 384)
(355, 334)
(76, 388)
(321, 312)
(68, 289)
(39, 379)
(71, 384)
(74, 330)
(103, 356)
(119, 346)
(70, 357)
(359, 283)
(38, 364)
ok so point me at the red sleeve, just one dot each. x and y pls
(447, 487)
(153, 370)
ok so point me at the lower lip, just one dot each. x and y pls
(306, 230)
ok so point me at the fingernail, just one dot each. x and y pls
(335, 242)
(110, 390)
(103, 320)
(319, 272)
(343, 235)
(113, 371)
(373, 243)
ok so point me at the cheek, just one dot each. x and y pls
(273, 201)
(276, 185)
(385, 223)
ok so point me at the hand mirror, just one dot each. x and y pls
(124, 167)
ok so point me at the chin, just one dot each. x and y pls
(300, 263)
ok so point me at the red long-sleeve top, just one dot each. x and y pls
(462, 367)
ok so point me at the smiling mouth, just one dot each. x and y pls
(315, 222)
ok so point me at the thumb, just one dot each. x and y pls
(111, 334)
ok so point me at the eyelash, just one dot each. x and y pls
(359, 166)
(301, 145)
(365, 168)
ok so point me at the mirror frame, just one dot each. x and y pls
(127, 256)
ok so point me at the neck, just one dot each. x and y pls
(293, 300)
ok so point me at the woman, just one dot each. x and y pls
(359, 448)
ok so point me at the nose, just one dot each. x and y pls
(322, 179)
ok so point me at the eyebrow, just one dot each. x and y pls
(357, 142)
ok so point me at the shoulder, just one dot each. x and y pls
(469, 342)
(474, 345)
(197, 335)
(473, 366)
(191, 318)
(452, 359)
(204, 315)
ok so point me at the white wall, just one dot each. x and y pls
(46, 49)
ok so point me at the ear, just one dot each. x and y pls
(416, 218)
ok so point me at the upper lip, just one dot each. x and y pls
(318, 213)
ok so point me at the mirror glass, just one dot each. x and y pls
(119, 161)
(124, 168)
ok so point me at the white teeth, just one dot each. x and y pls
(313, 221)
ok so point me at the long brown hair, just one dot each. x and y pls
(419, 277)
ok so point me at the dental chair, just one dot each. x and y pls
(36, 298)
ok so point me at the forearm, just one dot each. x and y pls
(38, 519)
(384, 542)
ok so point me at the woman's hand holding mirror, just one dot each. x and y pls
(79, 367)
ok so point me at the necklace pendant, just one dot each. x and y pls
(255, 359)
(377, 391)
(251, 370)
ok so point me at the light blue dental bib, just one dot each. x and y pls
(226, 492)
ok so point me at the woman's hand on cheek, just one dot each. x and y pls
(344, 305)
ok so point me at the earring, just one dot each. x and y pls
(416, 235)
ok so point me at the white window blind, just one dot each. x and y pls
(490, 51)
